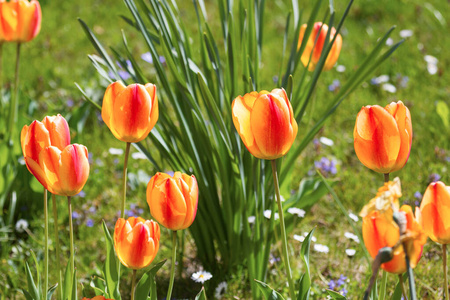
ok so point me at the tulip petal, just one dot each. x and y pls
(154, 114)
(58, 131)
(242, 107)
(111, 93)
(73, 170)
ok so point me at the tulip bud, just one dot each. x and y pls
(20, 20)
(314, 46)
(136, 242)
(130, 112)
(265, 122)
(435, 212)
(173, 200)
(383, 137)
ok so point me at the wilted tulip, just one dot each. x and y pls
(130, 112)
(66, 171)
(136, 242)
(52, 131)
(435, 211)
(317, 49)
(265, 121)
(173, 200)
(383, 137)
(20, 20)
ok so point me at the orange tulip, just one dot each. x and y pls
(136, 242)
(52, 131)
(318, 47)
(130, 112)
(265, 121)
(383, 137)
(96, 298)
(20, 20)
(173, 200)
(435, 209)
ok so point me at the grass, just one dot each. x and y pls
(57, 58)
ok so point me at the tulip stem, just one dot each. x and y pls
(58, 263)
(402, 286)
(122, 208)
(46, 242)
(172, 268)
(1, 75)
(133, 285)
(283, 231)
(72, 257)
(14, 107)
(444, 252)
(386, 177)
(383, 286)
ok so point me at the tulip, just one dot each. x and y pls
(265, 121)
(136, 242)
(435, 209)
(380, 230)
(52, 131)
(130, 112)
(20, 20)
(315, 45)
(173, 200)
(383, 137)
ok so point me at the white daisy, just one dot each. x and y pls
(340, 68)
(201, 276)
(350, 252)
(389, 87)
(251, 219)
(326, 141)
(296, 211)
(221, 289)
(351, 236)
(268, 214)
(406, 33)
(321, 248)
(353, 217)
(299, 238)
(138, 155)
(115, 151)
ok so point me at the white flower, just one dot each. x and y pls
(431, 64)
(268, 214)
(321, 248)
(326, 141)
(353, 217)
(351, 236)
(138, 155)
(432, 69)
(21, 225)
(389, 42)
(221, 289)
(251, 219)
(299, 238)
(115, 151)
(21, 160)
(296, 211)
(350, 252)
(201, 276)
(340, 68)
(406, 33)
(389, 88)
(431, 59)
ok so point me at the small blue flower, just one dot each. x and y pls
(162, 59)
(275, 79)
(341, 280)
(343, 292)
(147, 57)
(335, 85)
(124, 74)
(434, 177)
(418, 195)
(81, 194)
(89, 223)
(69, 103)
(332, 285)
(75, 215)
(92, 209)
(90, 157)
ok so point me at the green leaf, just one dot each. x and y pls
(443, 112)
(74, 286)
(305, 280)
(111, 267)
(68, 280)
(268, 292)
(398, 289)
(335, 295)
(201, 295)
(33, 291)
(51, 290)
(144, 285)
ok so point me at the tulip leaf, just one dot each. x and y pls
(144, 285)
(305, 280)
(201, 295)
(111, 267)
(67, 287)
(51, 290)
(33, 290)
(335, 295)
(443, 112)
(398, 289)
(268, 292)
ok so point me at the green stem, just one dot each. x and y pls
(133, 285)
(14, 107)
(383, 286)
(283, 231)
(46, 242)
(58, 257)
(409, 270)
(172, 268)
(444, 252)
(402, 286)
(386, 177)
(72, 257)
(1, 76)
(181, 254)
(122, 208)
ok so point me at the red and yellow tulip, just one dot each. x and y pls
(314, 46)
(136, 242)
(173, 200)
(265, 121)
(130, 112)
(20, 20)
(383, 137)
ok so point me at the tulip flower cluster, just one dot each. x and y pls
(20, 20)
